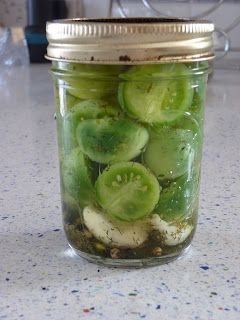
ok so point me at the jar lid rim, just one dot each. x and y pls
(130, 40)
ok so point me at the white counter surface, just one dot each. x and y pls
(39, 279)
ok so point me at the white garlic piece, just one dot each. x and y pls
(115, 233)
(173, 234)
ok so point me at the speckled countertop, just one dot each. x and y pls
(40, 279)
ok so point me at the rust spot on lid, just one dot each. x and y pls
(124, 58)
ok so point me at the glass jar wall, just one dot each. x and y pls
(130, 140)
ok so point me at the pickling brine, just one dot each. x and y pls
(130, 151)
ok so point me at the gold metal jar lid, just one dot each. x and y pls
(129, 40)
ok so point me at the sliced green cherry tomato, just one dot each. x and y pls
(91, 109)
(127, 191)
(64, 100)
(92, 81)
(178, 199)
(170, 152)
(70, 101)
(156, 93)
(77, 178)
(87, 109)
(100, 70)
(191, 123)
(111, 140)
(199, 93)
(92, 89)
(187, 122)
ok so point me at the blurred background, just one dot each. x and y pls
(23, 22)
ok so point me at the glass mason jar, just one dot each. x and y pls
(130, 130)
